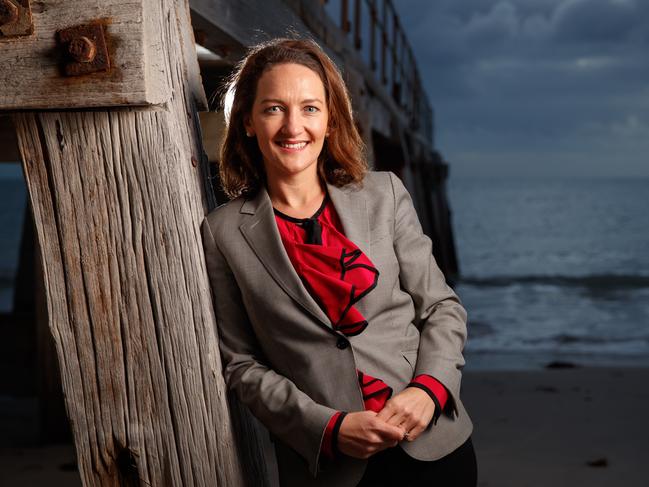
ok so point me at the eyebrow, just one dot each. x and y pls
(277, 100)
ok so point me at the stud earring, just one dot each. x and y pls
(248, 134)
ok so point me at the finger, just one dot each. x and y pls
(391, 432)
(387, 412)
(411, 428)
(415, 431)
(392, 412)
(399, 421)
(401, 417)
(387, 419)
(375, 443)
(411, 436)
(386, 444)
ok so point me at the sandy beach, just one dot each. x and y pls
(584, 426)
(565, 427)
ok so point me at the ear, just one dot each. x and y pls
(247, 124)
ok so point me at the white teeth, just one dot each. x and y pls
(299, 145)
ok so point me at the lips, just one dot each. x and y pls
(292, 145)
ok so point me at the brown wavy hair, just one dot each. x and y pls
(241, 169)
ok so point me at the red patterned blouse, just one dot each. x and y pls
(338, 274)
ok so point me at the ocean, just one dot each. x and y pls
(551, 270)
(13, 198)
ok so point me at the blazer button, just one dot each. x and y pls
(342, 343)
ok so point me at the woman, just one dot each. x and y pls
(336, 326)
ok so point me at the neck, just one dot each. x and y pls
(297, 193)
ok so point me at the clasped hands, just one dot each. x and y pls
(404, 416)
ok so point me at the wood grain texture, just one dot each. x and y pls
(118, 199)
(35, 78)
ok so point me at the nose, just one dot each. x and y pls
(292, 123)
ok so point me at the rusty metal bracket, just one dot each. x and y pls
(85, 48)
(15, 18)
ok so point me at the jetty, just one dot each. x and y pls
(112, 108)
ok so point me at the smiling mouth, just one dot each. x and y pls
(292, 145)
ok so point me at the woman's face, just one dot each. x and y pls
(289, 118)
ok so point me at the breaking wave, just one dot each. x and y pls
(595, 281)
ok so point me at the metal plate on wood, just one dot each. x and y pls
(85, 49)
(15, 18)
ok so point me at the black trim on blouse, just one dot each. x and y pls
(311, 225)
(334, 433)
(303, 220)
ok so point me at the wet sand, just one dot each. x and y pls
(47, 466)
(574, 427)
(565, 427)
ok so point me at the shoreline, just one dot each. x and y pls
(537, 360)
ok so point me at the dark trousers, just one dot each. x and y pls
(394, 467)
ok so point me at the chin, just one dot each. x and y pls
(289, 166)
(297, 169)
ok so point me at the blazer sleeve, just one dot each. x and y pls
(439, 315)
(286, 411)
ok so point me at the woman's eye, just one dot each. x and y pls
(311, 109)
(273, 109)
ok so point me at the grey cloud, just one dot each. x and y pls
(499, 24)
(600, 20)
(536, 27)
(552, 77)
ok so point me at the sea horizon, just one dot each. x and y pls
(547, 271)
(553, 270)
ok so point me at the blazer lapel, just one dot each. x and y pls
(351, 207)
(262, 235)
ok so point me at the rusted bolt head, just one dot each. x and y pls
(82, 49)
(8, 12)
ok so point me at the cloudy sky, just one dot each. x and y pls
(536, 88)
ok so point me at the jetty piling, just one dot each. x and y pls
(118, 148)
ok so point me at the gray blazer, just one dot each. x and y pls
(283, 358)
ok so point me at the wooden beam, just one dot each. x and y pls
(395, 60)
(245, 22)
(118, 197)
(358, 41)
(373, 18)
(36, 79)
(384, 42)
(344, 16)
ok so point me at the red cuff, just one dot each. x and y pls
(433, 387)
(328, 439)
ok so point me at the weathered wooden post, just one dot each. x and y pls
(115, 171)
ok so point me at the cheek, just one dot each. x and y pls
(319, 130)
(266, 147)
(264, 137)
